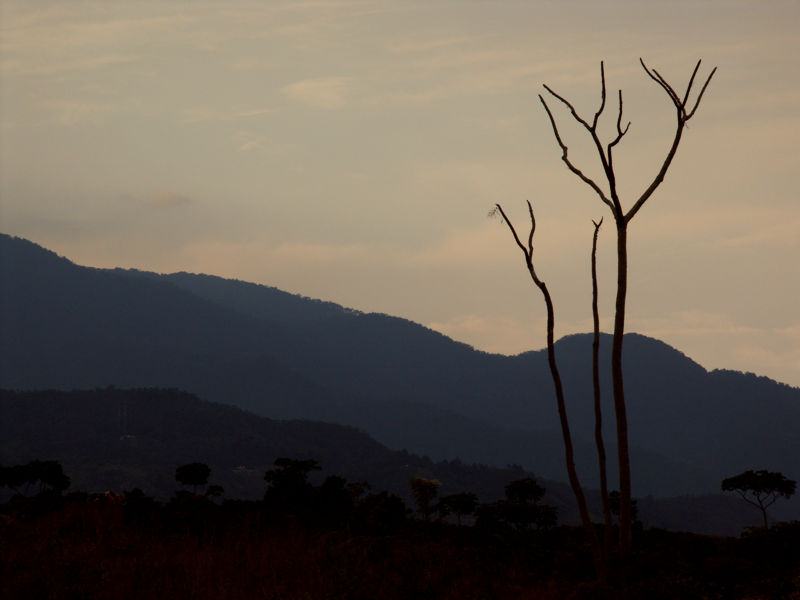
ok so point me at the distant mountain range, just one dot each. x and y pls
(118, 439)
(288, 357)
(115, 439)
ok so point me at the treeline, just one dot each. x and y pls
(342, 538)
(113, 438)
(39, 486)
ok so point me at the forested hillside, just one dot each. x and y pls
(115, 439)
(289, 357)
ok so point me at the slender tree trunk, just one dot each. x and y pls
(580, 498)
(598, 411)
(569, 453)
(623, 454)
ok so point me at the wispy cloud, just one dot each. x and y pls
(61, 64)
(71, 112)
(325, 93)
(247, 141)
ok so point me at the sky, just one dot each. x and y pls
(351, 151)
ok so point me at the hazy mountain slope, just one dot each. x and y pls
(263, 302)
(67, 326)
(723, 421)
(705, 422)
(280, 355)
(118, 439)
(115, 439)
(385, 357)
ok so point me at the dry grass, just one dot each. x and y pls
(88, 550)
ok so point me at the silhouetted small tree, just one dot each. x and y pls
(760, 488)
(49, 474)
(524, 491)
(382, 513)
(460, 505)
(424, 492)
(521, 507)
(333, 500)
(288, 486)
(193, 474)
(357, 489)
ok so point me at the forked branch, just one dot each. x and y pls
(565, 152)
(680, 104)
(605, 154)
(682, 115)
(526, 250)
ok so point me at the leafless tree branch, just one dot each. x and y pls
(528, 252)
(691, 82)
(683, 117)
(571, 108)
(565, 150)
(700, 95)
(610, 148)
(603, 96)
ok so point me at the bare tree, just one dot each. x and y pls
(577, 490)
(622, 218)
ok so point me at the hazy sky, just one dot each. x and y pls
(351, 150)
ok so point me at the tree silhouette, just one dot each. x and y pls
(760, 488)
(288, 484)
(193, 474)
(460, 505)
(622, 218)
(521, 507)
(424, 492)
(381, 513)
(49, 474)
(334, 500)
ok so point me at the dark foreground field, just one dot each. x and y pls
(131, 547)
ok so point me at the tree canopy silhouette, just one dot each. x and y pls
(49, 474)
(288, 486)
(760, 488)
(193, 474)
(424, 492)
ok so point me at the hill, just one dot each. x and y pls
(118, 439)
(115, 439)
(289, 357)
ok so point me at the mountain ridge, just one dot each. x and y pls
(69, 326)
(120, 439)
